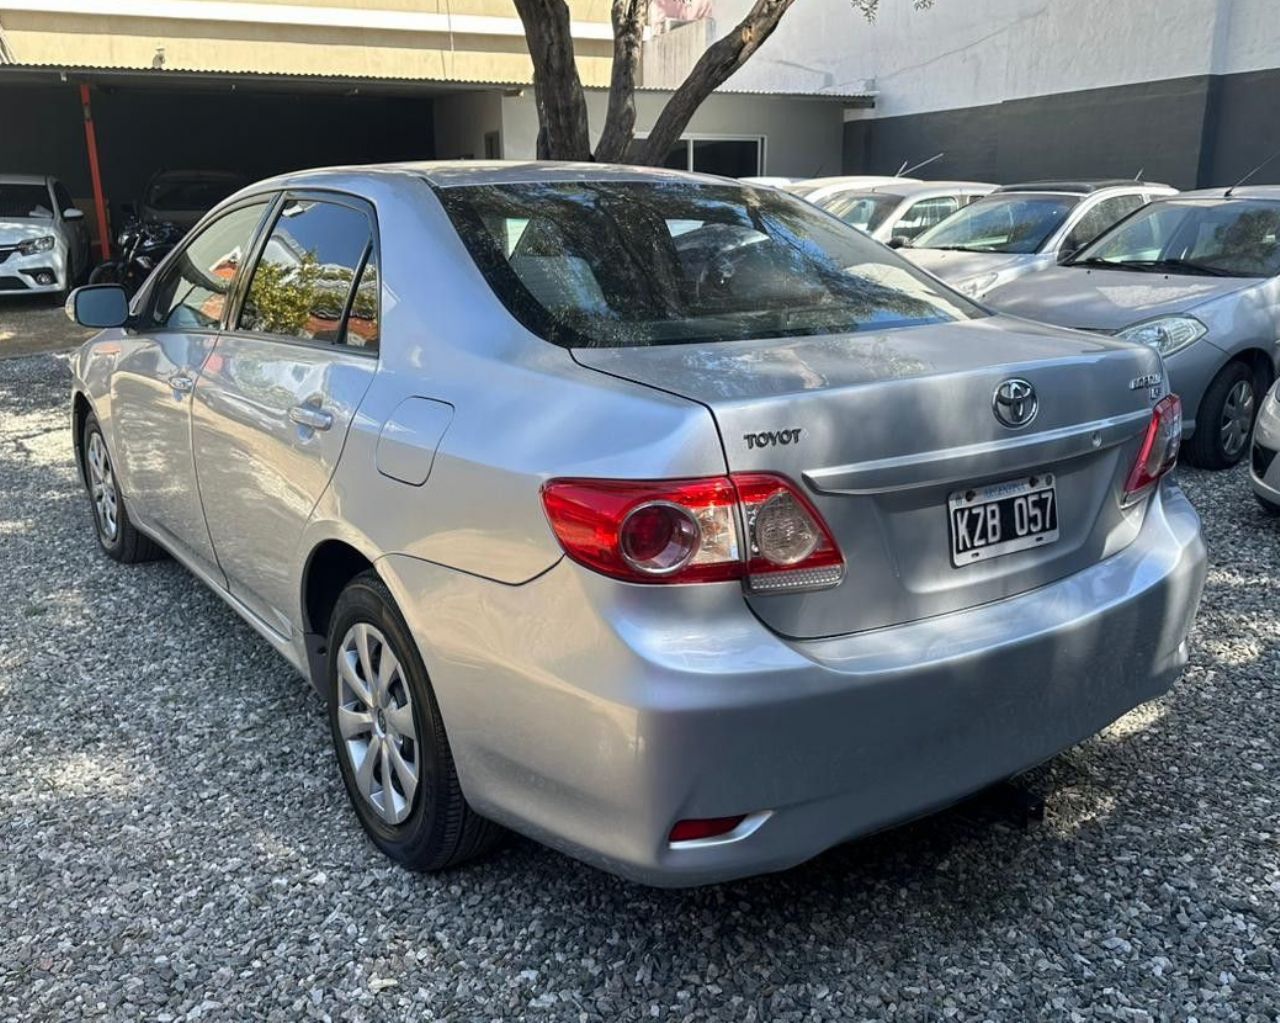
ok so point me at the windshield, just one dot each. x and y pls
(1001, 223)
(1231, 238)
(25, 201)
(196, 193)
(621, 263)
(864, 210)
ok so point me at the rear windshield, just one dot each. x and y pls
(1001, 223)
(25, 201)
(608, 264)
(864, 210)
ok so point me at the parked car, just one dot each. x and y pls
(899, 212)
(562, 511)
(1023, 229)
(182, 197)
(815, 189)
(769, 182)
(1265, 467)
(1197, 277)
(44, 244)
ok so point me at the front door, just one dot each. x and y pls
(275, 399)
(155, 376)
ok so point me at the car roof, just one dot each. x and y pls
(1243, 192)
(915, 189)
(23, 179)
(1082, 186)
(450, 173)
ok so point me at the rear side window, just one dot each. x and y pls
(924, 215)
(196, 286)
(624, 263)
(305, 280)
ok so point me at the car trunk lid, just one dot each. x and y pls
(883, 428)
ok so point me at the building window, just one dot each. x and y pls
(729, 157)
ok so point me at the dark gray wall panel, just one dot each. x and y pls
(1187, 131)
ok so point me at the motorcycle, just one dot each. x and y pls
(141, 246)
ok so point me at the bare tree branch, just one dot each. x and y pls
(562, 107)
(722, 59)
(629, 17)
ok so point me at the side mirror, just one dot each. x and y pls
(899, 241)
(98, 305)
(73, 214)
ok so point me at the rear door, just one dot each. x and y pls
(277, 395)
(155, 374)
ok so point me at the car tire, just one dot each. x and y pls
(1269, 508)
(1224, 420)
(390, 740)
(116, 533)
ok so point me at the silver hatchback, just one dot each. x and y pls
(668, 521)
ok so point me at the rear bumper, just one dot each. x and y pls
(592, 715)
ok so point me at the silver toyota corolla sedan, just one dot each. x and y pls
(668, 521)
(1197, 277)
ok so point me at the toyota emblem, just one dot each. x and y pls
(1015, 403)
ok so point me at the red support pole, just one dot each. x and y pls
(95, 174)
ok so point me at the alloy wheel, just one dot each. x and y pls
(376, 719)
(102, 487)
(1237, 418)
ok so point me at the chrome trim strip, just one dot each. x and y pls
(950, 465)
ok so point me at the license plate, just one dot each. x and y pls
(987, 522)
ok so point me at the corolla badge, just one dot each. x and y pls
(1015, 403)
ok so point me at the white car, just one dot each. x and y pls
(901, 211)
(44, 244)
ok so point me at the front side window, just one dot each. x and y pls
(1098, 219)
(303, 282)
(1013, 222)
(196, 286)
(925, 214)
(864, 210)
(62, 197)
(622, 263)
(1232, 238)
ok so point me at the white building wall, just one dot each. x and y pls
(965, 53)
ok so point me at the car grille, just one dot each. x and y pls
(1262, 459)
(12, 284)
(1098, 330)
(6, 251)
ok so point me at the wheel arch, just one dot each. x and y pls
(81, 410)
(1262, 366)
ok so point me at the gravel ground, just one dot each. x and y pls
(177, 845)
(35, 323)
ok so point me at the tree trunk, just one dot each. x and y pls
(562, 106)
(722, 59)
(629, 17)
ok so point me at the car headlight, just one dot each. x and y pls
(976, 287)
(31, 246)
(1166, 335)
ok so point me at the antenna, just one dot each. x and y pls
(922, 163)
(1138, 176)
(901, 169)
(1227, 193)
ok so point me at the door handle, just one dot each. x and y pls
(311, 417)
(181, 383)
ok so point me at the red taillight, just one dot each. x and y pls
(751, 526)
(1159, 449)
(704, 827)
